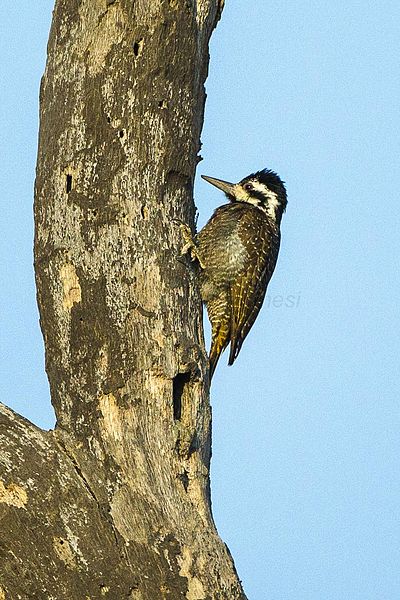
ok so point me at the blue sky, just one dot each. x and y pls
(305, 475)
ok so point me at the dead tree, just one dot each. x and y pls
(115, 501)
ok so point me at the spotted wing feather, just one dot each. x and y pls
(238, 249)
(261, 241)
(221, 251)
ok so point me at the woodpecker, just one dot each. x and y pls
(237, 252)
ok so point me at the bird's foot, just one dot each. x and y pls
(189, 246)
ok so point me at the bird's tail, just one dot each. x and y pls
(236, 344)
(220, 340)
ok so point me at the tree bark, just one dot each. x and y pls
(114, 503)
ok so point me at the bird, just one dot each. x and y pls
(237, 251)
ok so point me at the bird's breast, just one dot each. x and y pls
(223, 260)
(228, 244)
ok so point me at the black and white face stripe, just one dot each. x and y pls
(268, 178)
(258, 194)
(265, 190)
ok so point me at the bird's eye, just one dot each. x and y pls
(248, 187)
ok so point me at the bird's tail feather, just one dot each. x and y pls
(213, 363)
(236, 344)
(219, 342)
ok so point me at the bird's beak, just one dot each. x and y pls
(225, 186)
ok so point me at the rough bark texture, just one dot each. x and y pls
(115, 502)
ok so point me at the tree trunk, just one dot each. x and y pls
(115, 502)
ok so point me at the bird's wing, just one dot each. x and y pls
(248, 290)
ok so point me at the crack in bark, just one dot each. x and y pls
(145, 313)
(62, 445)
(117, 537)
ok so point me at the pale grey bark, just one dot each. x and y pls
(115, 502)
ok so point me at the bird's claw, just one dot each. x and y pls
(189, 246)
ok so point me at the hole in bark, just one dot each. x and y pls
(184, 478)
(194, 446)
(178, 387)
(68, 183)
(138, 47)
(144, 212)
(162, 104)
(108, 119)
(121, 133)
(132, 591)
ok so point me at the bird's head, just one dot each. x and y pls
(263, 189)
